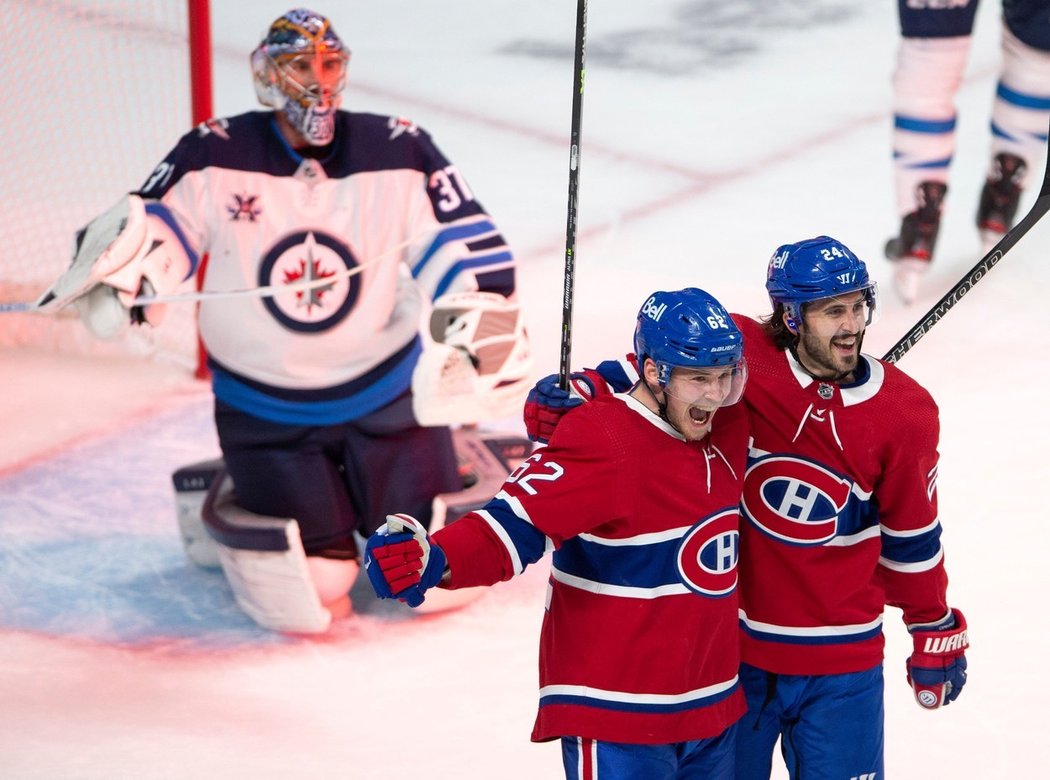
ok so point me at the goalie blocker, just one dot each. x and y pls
(272, 578)
(476, 364)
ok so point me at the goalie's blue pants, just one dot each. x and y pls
(830, 726)
(700, 759)
(335, 479)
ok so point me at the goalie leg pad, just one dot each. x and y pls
(333, 578)
(264, 562)
(192, 483)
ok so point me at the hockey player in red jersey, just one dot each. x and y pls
(839, 511)
(638, 497)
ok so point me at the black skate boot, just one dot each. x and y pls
(999, 198)
(912, 250)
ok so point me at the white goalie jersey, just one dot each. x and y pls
(353, 245)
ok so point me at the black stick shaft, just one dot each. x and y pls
(574, 191)
(975, 274)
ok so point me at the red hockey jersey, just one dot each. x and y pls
(839, 512)
(639, 642)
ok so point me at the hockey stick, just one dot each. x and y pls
(975, 274)
(574, 191)
(248, 292)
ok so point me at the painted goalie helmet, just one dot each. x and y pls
(300, 70)
(815, 269)
(690, 329)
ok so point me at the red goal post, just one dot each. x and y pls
(97, 92)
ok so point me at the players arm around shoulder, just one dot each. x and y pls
(937, 666)
(402, 561)
(548, 401)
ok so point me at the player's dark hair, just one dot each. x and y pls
(773, 325)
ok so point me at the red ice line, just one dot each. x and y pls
(698, 183)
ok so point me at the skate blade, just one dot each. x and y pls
(907, 276)
(989, 238)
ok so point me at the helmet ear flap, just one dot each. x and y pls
(265, 79)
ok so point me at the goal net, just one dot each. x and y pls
(96, 93)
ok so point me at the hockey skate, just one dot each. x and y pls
(999, 199)
(912, 250)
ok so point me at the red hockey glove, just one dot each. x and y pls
(547, 402)
(937, 667)
(402, 562)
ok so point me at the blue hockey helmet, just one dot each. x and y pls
(687, 329)
(299, 69)
(814, 269)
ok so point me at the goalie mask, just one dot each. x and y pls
(300, 70)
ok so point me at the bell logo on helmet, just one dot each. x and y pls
(779, 259)
(652, 311)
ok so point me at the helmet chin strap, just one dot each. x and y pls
(660, 405)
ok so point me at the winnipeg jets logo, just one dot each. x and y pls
(243, 207)
(399, 125)
(214, 127)
(796, 500)
(708, 553)
(312, 266)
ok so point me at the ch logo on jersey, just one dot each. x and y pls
(794, 500)
(313, 265)
(708, 554)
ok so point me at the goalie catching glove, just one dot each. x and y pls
(937, 666)
(402, 562)
(134, 249)
(477, 366)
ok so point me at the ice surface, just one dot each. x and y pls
(712, 133)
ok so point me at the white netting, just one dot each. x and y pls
(95, 93)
